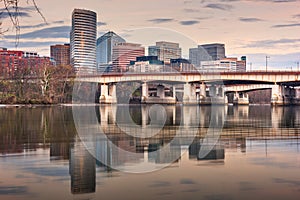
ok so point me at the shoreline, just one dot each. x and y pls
(98, 104)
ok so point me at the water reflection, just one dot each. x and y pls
(32, 139)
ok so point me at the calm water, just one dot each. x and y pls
(254, 152)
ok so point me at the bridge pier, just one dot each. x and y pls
(189, 94)
(296, 100)
(161, 97)
(145, 93)
(217, 95)
(240, 98)
(108, 94)
(277, 97)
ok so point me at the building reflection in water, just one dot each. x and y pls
(82, 169)
(241, 124)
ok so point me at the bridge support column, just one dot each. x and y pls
(174, 91)
(217, 94)
(240, 98)
(203, 99)
(296, 99)
(277, 97)
(144, 93)
(161, 91)
(108, 94)
(189, 94)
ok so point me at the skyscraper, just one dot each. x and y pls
(165, 51)
(61, 54)
(105, 45)
(125, 52)
(206, 52)
(216, 50)
(83, 40)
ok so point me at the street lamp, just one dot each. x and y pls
(267, 57)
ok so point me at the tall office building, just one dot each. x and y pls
(206, 52)
(60, 53)
(83, 40)
(216, 50)
(165, 51)
(105, 45)
(125, 52)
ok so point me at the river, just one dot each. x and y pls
(150, 152)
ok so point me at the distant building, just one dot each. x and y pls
(83, 40)
(146, 64)
(226, 64)
(216, 50)
(13, 62)
(125, 52)
(165, 51)
(105, 45)
(206, 52)
(182, 65)
(241, 64)
(60, 53)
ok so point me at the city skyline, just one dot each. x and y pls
(247, 27)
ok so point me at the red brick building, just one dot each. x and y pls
(12, 62)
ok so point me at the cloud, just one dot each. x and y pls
(191, 10)
(53, 32)
(13, 190)
(187, 182)
(41, 25)
(271, 1)
(161, 20)
(28, 8)
(219, 6)
(287, 181)
(22, 12)
(101, 23)
(189, 22)
(271, 43)
(296, 16)
(5, 15)
(286, 25)
(159, 184)
(250, 19)
(26, 44)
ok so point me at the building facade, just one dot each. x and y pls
(226, 64)
(105, 45)
(13, 63)
(182, 65)
(125, 52)
(60, 53)
(83, 40)
(206, 52)
(165, 51)
(146, 64)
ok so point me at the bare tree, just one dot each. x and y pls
(12, 8)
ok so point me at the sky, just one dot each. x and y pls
(255, 28)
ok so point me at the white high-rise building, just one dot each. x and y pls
(83, 40)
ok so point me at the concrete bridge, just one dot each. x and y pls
(202, 88)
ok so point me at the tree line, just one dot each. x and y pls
(44, 85)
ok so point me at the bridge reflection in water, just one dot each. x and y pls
(185, 129)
